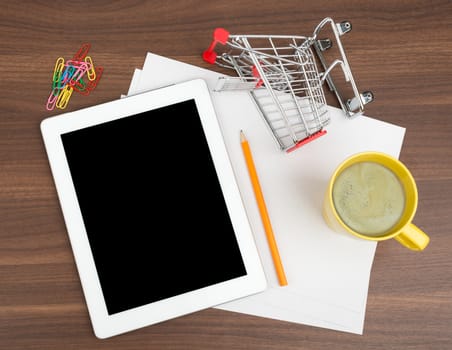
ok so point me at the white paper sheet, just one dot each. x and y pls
(328, 274)
(134, 82)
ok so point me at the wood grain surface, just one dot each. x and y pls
(401, 50)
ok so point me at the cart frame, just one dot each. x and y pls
(281, 74)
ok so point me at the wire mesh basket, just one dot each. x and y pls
(281, 74)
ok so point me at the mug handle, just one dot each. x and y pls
(413, 238)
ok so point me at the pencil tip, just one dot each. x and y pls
(242, 136)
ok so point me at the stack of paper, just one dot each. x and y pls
(328, 273)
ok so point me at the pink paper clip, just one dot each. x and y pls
(82, 68)
(52, 99)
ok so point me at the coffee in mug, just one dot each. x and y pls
(372, 195)
(369, 198)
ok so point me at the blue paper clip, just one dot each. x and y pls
(68, 73)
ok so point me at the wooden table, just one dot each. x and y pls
(401, 50)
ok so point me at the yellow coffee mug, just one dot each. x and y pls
(359, 196)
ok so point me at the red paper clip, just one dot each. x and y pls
(82, 52)
(91, 85)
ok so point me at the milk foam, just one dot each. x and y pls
(369, 198)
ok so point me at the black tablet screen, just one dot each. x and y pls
(153, 208)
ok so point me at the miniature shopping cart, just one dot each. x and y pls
(281, 74)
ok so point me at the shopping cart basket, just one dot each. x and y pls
(281, 74)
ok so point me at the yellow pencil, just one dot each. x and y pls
(263, 210)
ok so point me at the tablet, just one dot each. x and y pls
(153, 211)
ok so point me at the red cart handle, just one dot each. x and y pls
(221, 36)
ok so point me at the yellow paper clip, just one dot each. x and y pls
(90, 72)
(57, 71)
(63, 98)
(59, 65)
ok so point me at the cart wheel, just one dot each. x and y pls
(367, 97)
(344, 27)
(324, 44)
(353, 104)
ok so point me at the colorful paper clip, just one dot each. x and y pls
(81, 69)
(82, 52)
(68, 77)
(64, 97)
(67, 74)
(91, 85)
(59, 65)
(58, 70)
(91, 72)
(56, 80)
(51, 101)
(80, 86)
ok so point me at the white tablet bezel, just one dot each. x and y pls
(108, 325)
